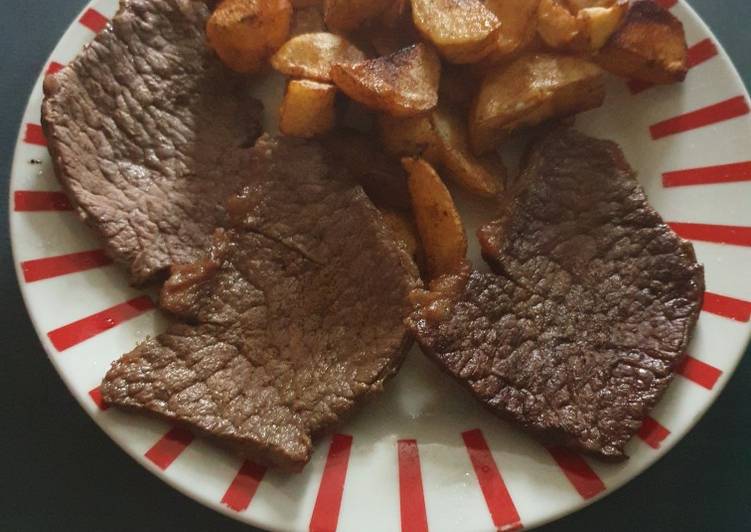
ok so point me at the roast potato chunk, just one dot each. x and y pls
(307, 20)
(404, 83)
(557, 26)
(312, 55)
(599, 23)
(649, 46)
(462, 30)
(347, 15)
(307, 109)
(480, 176)
(244, 33)
(438, 223)
(532, 89)
(413, 136)
(518, 24)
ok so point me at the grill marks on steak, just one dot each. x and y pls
(577, 333)
(294, 319)
(148, 134)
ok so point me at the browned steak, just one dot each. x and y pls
(577, 333)
(148, 134)
(295, 318)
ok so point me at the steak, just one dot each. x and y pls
(296, 316)
(149, 134)
(577, 333)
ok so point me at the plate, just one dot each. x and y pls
(423, 455)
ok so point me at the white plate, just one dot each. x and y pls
(356, 482)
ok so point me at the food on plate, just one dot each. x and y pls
(244, 33)
(599, 23)
(403, 228)
(464, 31)
(147, 131)
(307, 20)
(404, 83)
(312, 55)
(577, 333)
(344, 16)
(557, 26)
(413, 136)
(518, 27)
(307, 108)
(293, 320)
(438, 222)
(533, 88)
(302, 4)
(649, 46)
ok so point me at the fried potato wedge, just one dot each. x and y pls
(599, 23)
(556, 25)
(438, 223)
(411, 136)
(307, 20)
(244, 33)
(532, 89)
(343, 16)
(404, 83)
(649, 46)
(518, 27)
(307, 108)
(312, 55)
(463, 31)
(481, 176)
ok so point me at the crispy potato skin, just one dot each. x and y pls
(649, 46)
(307, 109)
(343, 16)
(244, 33)
(404, 83)
(312, 55)
(441, 230)
(463, 31)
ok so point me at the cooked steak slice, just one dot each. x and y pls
(578, 332)
(294, 319)
(148, 134)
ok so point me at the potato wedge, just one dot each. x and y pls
(312, 55)
(518, 27)
(307, 20)
(556, 25)
(404, 83)
(599, 23)
(532, 89)
(307, 109)
(482, 177)
(463, 31)
(649, 46)
(344, 16)
(413, 136)
(438, 223)
(244, 33)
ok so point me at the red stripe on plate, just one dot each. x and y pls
(696, 55)
(577, 471)
(667, 4)
(501, 506)
(722, 234)
(54, 67)
(96, 396)
(169, 447)
(411, 496)
(326, 510)
(34, 135)
(38, 200)
(652, 432)
(243, 487)
(74, 333)
(712, 114)
(722, 173)
(38, 269)
(93, 20)
(728, 307)
(700, 372)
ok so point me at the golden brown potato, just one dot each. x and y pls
(307, 20)
(307, 108)
(347, 15)
(518, 27)
(438, 223)
(312, 55)
(577, 5)
(532, 89)
(244, 33)
(649, 46)
(464, 31)
(556, 25)
(599, 23)
(479, 176)
(412, 136)
(301, 4)
(404, 83)
(403, 229)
